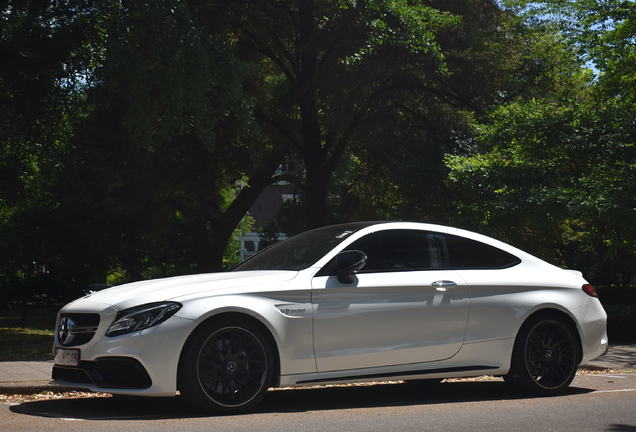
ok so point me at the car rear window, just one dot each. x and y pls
(465, 254)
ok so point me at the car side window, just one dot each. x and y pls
(467, 254)
(400, 250)
(412, 250)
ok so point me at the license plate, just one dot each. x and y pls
(67, 357)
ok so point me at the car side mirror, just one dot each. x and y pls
(348, 263)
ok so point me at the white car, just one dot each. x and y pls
(344, 303)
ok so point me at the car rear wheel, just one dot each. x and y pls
(545, 356)
(226, 367)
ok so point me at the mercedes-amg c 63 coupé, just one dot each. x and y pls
(344, 303)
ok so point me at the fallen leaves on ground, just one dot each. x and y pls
(48, 395)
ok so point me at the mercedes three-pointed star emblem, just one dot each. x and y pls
(64, 331)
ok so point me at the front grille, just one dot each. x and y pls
(76, 328)
(106, 372)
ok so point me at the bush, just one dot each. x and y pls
(620, 323)
(620, 305)
(611, 294)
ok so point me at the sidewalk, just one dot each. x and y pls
(617, 357)
(25, 377)
(33, 377)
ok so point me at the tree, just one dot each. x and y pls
(39, 43)
(128, 142)
(172, 132)
(492, 58)
(562, 168)
(557, 172)
(327, 67)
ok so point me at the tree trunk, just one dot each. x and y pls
(315, 158)
(216, 248)
(314, 154)
(224, 224)
(316, 190)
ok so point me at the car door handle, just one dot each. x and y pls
(443, 284)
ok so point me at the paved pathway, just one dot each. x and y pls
(25, 371)
(617, 357)
(27, 377)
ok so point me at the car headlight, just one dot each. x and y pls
(142, 317)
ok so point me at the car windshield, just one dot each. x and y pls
(302, 250)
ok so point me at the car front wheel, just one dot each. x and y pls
(226, 367)
(545, 357)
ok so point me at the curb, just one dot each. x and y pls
(601, 365)
(31, 387)
(588, 367)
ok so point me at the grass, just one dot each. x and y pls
(24, 344)
(27, 336)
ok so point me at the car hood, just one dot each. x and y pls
(155, 290)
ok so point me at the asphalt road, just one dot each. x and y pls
(604, 402)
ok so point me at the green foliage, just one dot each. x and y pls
(620, 320)
(231, 255)
(396, 171)
(123, 174)
(397, 24)
(603, 33)
(36, 105)
(561, 168)
(561, 176)
(328, 70)
(135, 136)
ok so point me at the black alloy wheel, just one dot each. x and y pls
(232, 366)
(226, 367)
(550, 354)
(545, 357)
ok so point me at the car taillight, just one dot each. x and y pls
(589, 290)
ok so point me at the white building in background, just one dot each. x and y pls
(250, 244)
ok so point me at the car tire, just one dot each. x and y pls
(545, 356)
(226, 367)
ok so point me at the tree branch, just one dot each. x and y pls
(293, 139)
(262, 177)
(335, 39)
(268, 52)
(342, 141)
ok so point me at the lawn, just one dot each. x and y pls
(28, 337)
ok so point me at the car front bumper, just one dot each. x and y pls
(139, 363)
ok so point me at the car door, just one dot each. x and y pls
(401, 308)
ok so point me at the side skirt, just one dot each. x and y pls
(401, 374)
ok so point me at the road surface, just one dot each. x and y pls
(595, 402)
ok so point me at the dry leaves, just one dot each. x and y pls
(48, 395)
